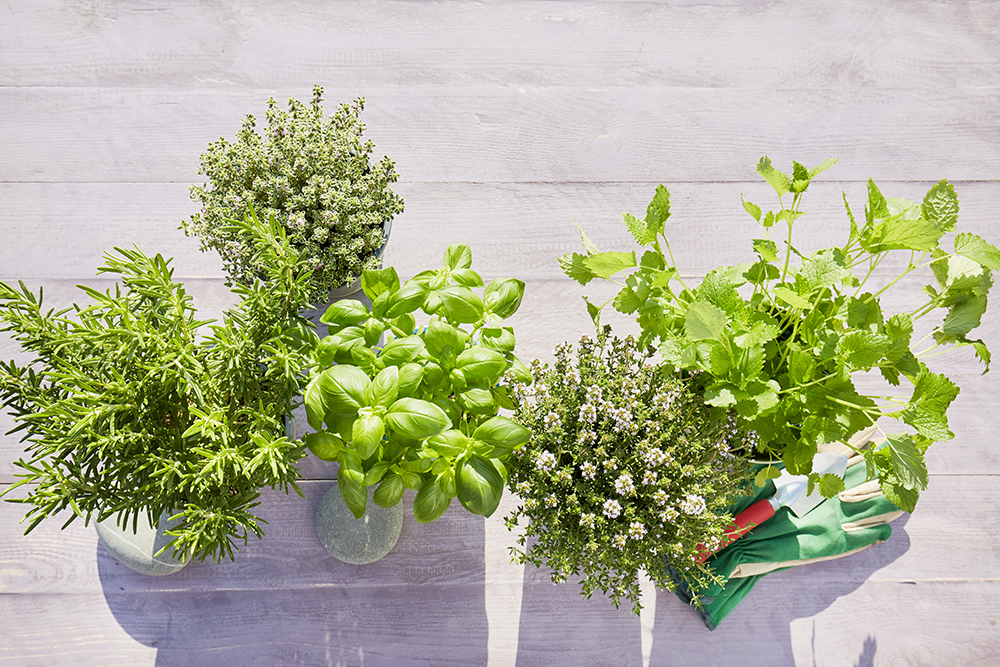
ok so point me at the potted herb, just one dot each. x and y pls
(315, 176)
(627, 469)
(781, 337)
(420, 411)
(133, 409)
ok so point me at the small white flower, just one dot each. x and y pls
(551, 500)
(552, 420)
(588, 413)
(624, 484)
(636, 530)
(693, 505)
(618, 542)
(588, 470)
(660, 497)
(649, 478)
(564, 476)
(546, 461)
(612, 509)
(587, 520)
(586, 438)
(610, 464)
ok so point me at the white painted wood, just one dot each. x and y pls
(517, 133)
(507, 121)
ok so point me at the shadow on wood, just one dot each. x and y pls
(286, 601)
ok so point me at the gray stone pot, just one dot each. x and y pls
(357, 541)
(136, 549)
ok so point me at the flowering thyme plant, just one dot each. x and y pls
(314, 176)
(627, 469)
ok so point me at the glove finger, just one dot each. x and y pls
(871, 521)
(862, 492)
(754, 569)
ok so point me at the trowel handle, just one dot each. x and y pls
(743, 523)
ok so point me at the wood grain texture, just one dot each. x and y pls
(507, 121)
(516, 133)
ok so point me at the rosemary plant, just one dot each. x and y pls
(132, 406)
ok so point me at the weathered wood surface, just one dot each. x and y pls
(507, 122)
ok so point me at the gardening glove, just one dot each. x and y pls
(845, 524)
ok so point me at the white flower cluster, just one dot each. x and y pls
(693, 505)
(656, 457)
(612, 508)
(552, 420)
(588, 413)
(588, 470)
(618, 541)
(624, 484)
(546, 461)
(636, 530)
(586, 438)
(587, 520)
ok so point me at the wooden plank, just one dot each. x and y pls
(383, 44)
(517, 134)
(61, 230)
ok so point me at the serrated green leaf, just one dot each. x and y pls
(907, 462)
(821, 167)
(927, 411)
(658, 211)
(766, 248)
(900, 496)
(790, 297)
(766, 473)
(703, 321)
(964, 316)
(940, 205)
(978, 250)
(768, 220)
(830, 485)
(862, 350)
(588, 245)
(573, 266)
(720, 396)
(823, 268)
(777, 180)
(607, 264)
(751, 208)
(642, 234)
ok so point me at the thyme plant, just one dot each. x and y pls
(315, 176)
(627, 469)
(132, 405)
(781, 336)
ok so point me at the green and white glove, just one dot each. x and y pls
(845, 524)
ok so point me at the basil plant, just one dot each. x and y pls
(420, 411)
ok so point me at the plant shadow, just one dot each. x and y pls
(759, 629)
(286, 601)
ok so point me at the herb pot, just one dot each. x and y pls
(138, 549)
(357, 541)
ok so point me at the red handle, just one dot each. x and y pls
(743, 523)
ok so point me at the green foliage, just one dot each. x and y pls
(780, 340)
(627, 469)
(315, 176)
(420, 411)
(132, 405)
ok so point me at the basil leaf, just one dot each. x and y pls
(367, 433)
(460, 304)
(431, 502)
(416, 419)
(376, 282)
(390, 491)
(479, 485)
(350, 481)
(457, 256)
(481, 363)
(400, 351)
(324, 445)
(345, 312)
(503, 296)
(408, 298)
(384, 389)
(503, 434)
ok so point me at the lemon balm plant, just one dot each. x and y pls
(420, 411)
(627, 470)
(132, 407)
(780, 337)
(315, 176)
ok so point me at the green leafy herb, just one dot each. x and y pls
(780, 340)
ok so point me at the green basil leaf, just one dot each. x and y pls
(457, 256)
(466, 277)
(481, 363)
(479, 485)
(460, 304)
(367, 433)
(431, 502)
(342, 389)
(346, 312)
(503, 296)
(376, 282)
(449, 443)
(505, 435)
(350, 481)
(384, 389)
(324, 445)
(441, 337)
(501, 340)
(374, 474)
(400, 351)
(390, 491)
(450, 408)
(410, 375)
(416, 419)
(519, 369)
(404, 325)
(477, 400)
(373, 332)
(408, 298)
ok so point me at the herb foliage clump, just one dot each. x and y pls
(130, 406)
(315, 176)
(780, 337)
(627, 469)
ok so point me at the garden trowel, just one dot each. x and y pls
(790, 491)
